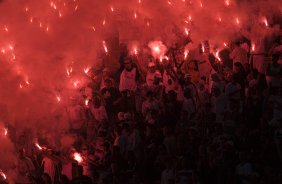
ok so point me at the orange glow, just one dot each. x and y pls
(253, 47)
(38, 146)
(3, 175)
(105, 47)
(77, 157)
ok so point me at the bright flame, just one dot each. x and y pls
(253, 47)
(5, 131)
(58, 98)
(75, 83)
(217, 56)
(86, 70)
(86, 102)
(3, 175)
(265, 22)
(187, 31)
(135, 50)
(77, 157)
(186, 52)
(237, 21)
(69, 71)
(38, 146)
(203, 48)
(105, 47)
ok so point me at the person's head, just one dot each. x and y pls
(96, 101)
(46, 178)
(172, 95)
(188, 78)
(64, 179)
(108, 83)
(84, 149)
(275, 58)
(238, 67)
(128, 63)
(106, 72)
(151, 67)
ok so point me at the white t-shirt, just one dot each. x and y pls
(128, 80)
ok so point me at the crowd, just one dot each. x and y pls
(196, 120)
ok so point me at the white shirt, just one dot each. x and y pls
(128, 80)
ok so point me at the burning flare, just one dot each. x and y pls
(77, 157)
(3, 175)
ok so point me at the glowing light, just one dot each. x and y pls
(60, 14)
(21, 86)
(5, 131)
(40, 24)
(139, 1)
(27, 82)
(6, 29)
(217, 56)
(3, 175)
(227, 2)
(190, 18)
(186, 52)
(219, 19)
(112, 9)
(76, 7)
(86, 102)
(187, 31)
(105, 47)
(104, 22)
(38, 146)
(58, 98)
(201, 4)
(225, 44)
(168, 2)
(26, 9)
(77, 157)
(93, 28)
(86, 70)
(265, 22)
(203, 48)
(31, 20)
(11, 47)
(69, 71)
(253, 47)
(148, 23)
(75, 83)
(237, 21)
(135, 50)
(158, 49)
(135, 15)
(3, 51)
(47, 28)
